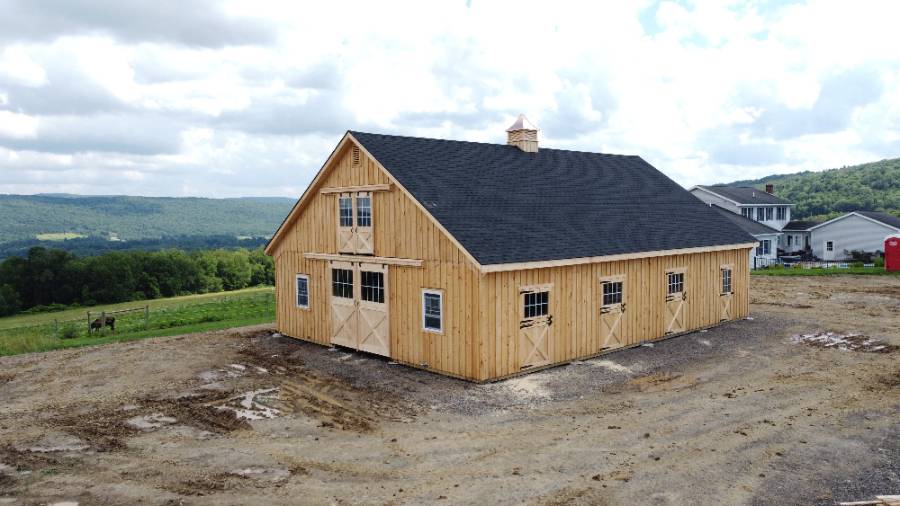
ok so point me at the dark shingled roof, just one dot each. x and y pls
(887, 219)
(800, 225)
(745, 195)
(505, 205)
(746, 224)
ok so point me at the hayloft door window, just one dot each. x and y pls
(612, 307)
(535, 322)
(676, 301)
(355, 223)
(726, 294)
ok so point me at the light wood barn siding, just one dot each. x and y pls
(401, 230)
(575, 304)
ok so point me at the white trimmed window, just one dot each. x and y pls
(675, 282)
(769, 213)
(433, 310)
(829, 246)
(302, 291)
(612, 292)
(782, 213)
(726, 280)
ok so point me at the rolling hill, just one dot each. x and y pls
(57, 219)
(821, 195)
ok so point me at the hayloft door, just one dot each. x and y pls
(373, 310)
(344, 318)
(612, 307)
(726, 293)
(346, 236)
(355, 233)
(535, 325)
(364, 238)
(676, 301)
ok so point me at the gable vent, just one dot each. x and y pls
(355, 155)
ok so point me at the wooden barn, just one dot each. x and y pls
(482, 261)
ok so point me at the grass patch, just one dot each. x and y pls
(820, 271)
(58, 236)
(178, 315)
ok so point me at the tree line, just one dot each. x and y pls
(50, 277)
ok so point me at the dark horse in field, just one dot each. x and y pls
(99, 323)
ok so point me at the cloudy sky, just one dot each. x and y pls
(238, 98)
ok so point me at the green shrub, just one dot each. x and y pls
(69, 332)
(879, 262)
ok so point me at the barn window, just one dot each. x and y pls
(770, 211)
(612, 293)
(675, 282)
(372, 285)
(782, 213)
(760, 214)
(364, 211)
(432, 310)
(829, 246)
(342, 283)
(536, 304)
(303, 291)
(726, 280)
(346, 207)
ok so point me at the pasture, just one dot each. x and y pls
(177, 315)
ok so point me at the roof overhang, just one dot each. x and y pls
(541, 264)
(853, 213)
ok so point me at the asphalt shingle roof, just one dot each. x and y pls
(887, 219)
(745, 195)
(800, 225)
(746, 224)
(505, 205)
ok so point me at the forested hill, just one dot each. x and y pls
(820, 195)
(24, 217)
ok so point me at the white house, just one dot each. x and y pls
(760, 206)
(795, 236)
(767, 237)
(856, 231)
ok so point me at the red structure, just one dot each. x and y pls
(892, 253)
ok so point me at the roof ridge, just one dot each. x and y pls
(353, 132)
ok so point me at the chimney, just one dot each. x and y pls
(770, 188)
(523, 135)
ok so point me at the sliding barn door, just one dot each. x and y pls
(374, 335)
(535, 326)
(676, 302)
(344, 317)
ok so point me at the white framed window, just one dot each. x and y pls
(726, 280)
(433, 310)
(364, 211)
(536, 304)
(770, 211)
(302, 291)
(760, 214)
(612, 292)
(345, 204)
(764, 248)
(342, 283)
(747, 212)
(372, 286)
(782, 213)
(675, 282)
(829, 245)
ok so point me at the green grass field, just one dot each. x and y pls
(831, 271)
(177, 315)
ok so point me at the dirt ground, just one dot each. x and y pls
(768, 410)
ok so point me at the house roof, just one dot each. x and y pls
(504, 205)
(800, 225)
(745, 195)
(888, 219)
(747, 225)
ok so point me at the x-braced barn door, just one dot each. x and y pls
(344, 317)
(726, 294)
(535, 326)
(676, 301)
(359, 307)
(612, 308)
(373, 310)
(355, 233)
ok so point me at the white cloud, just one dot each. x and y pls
(249, 97)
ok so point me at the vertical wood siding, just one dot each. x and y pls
(576, 297)
(401, 230)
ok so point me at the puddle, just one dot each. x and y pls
(52, 443)
(844, 342)
(149, 422)
(229, 371)
(252, 405)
